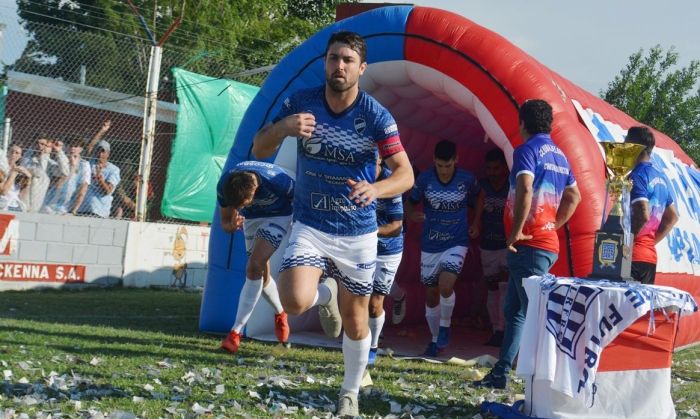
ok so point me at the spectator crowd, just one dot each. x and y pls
(72, 177)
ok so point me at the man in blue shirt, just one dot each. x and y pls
(258, 197)
(105, 177)
(444, 193)
(543, 196)
(340, 131)
(488, 223)
(653, 211)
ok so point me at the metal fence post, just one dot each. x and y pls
(149, 131)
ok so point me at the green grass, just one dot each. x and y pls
(100, 351)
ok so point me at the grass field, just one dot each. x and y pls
(129, 352)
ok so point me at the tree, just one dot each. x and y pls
(655, 92)
(216, 37)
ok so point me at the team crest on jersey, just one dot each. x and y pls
(360, 125)
(567, 308)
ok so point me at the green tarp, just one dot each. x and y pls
(210, 111)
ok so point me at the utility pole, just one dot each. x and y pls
(150, 110)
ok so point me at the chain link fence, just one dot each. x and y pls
(83, 92)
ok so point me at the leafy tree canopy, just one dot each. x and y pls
(655, 91)
(216, 37)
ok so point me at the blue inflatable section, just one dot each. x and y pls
(383, 31)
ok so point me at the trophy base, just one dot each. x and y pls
(611, 258)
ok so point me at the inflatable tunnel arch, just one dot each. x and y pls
(445, 77)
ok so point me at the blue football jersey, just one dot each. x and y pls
(389, 210)
(273, 198)
(343, 146)
(445, 208)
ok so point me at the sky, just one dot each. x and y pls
(587, 42)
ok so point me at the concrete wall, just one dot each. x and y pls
(154, 251)
(41, 250)
(93, 245)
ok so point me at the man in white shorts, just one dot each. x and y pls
(488, 222)
(389, 252)
(258, 197)
(444, 192)
(340, 131)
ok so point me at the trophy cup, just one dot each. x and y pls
(612, 253)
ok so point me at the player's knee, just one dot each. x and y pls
(292, 305)
(446, 291)
(354, 329)
(254, 269)
(376, 307)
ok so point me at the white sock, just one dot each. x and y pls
(375, 329)
(323, 295)
(493, 305)
(396, 292)
(272, 296)
(355, 354)
(250, 294)
(432, 315)
(447, 305)
(502, 290)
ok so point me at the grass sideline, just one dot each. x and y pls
(137, 352)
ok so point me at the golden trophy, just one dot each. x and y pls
(612, 256)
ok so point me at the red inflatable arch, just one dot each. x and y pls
(443, 76)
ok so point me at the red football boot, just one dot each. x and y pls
(281, 327)
(231, 342)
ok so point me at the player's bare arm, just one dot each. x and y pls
(269, 138)
(364, 193)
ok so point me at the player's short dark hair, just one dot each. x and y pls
(238, 187)
(445, 150)
(536, 116)
(351, 39)
(496, 155)
(641, 135)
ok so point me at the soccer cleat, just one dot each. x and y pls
(372, 356)
(432, 350)
(231, 342)
(281, 327)
(443, 337)
(492, 381)
(329, 314)
(398, 311)
(496, 339)
(347, 405)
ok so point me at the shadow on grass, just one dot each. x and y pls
(152, 310)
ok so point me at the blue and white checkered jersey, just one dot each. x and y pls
(273, 198)
(389, 210)
(445, 208)
(343, 146)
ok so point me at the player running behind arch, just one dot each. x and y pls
(257, 196)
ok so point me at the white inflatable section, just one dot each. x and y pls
(426, 102)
